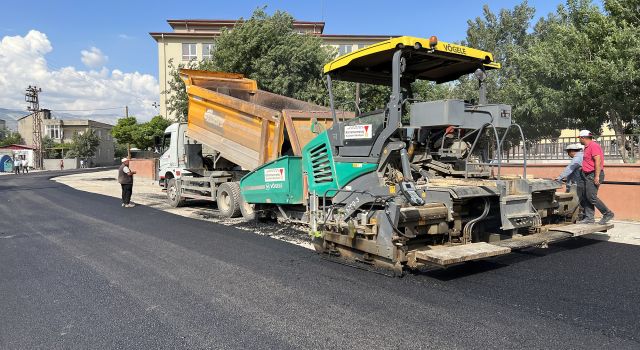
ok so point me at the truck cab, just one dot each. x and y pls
(171, 146)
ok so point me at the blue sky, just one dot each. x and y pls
(120, 28)
(95, 57)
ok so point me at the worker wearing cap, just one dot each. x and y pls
(591, 177)
(572, 171)
(125, 178)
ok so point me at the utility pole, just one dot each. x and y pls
(31, 96)
(126, 111)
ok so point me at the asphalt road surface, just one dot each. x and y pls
(77, 271)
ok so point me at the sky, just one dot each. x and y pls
(97, 56)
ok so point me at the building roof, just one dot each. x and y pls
(46, 112)
(76, 122)
(17, 147)
(232, 22)
(158, 35)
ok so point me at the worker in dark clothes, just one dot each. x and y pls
(591, 178)
(125, 178)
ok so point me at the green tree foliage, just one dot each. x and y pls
(176, 93)
(48, 147)
(125, 130)
(267, 49)
(144, 134)
(84, 145)
(54, 150)
(7, 137)
(582, 68)
(128, 132)
(120, 150)
(578, 67)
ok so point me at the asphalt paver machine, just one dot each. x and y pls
(415, 183)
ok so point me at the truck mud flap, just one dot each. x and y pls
(445, 256)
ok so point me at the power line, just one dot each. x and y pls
(85, 110)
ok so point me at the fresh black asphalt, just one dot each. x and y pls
(77, 271)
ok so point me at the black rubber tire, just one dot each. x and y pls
(173, 198)
(247, 210)
(228, 199)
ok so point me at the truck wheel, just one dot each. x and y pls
(247, 210)
(173, 194)
(228, 198)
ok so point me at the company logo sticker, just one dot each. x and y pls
(354, 132)
(274, 174)
(212, 118)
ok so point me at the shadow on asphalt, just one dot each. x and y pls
(482, 266)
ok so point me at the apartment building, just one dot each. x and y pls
(195, 40)
(62, 131)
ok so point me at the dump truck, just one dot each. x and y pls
(415, 183)
(232, 128)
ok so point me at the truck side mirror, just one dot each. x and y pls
(156, 141)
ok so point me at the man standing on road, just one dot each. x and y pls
(125, 178)
(16, 164)
(591, 178)
(25, 166)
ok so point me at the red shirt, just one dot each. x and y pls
(588, 162)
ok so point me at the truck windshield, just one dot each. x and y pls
(166, 141)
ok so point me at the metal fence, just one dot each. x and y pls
(555, 149)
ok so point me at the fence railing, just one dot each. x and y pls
(554, 149)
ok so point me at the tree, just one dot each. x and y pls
(48, 146)
(120, 150)
(124, 132)
(584, 67)
(7, 137)
(176, 94)
(145, 133)
(267, 49)
(84, 145)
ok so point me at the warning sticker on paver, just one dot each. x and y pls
(274, 174)
(353, 132)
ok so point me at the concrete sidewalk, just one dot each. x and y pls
(623, 232)
(147, 192)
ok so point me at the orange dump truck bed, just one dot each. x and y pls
(248, 126)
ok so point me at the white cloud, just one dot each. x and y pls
(23, 63)
(125, 37)
(93, 58)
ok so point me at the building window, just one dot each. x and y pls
(207, 51)
(362, 46)
(53, 131)
(189, 52)
(344, 49)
